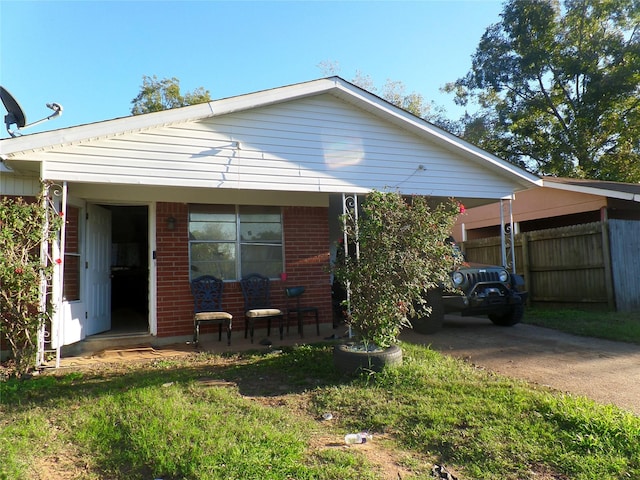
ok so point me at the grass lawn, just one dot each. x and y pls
(259, 416)
(619, 326)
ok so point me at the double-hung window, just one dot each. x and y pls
(229, 241)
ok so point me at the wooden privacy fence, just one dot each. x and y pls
(595, 263)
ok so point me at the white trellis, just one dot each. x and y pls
(51, 288)
(350, 209)
(507, 231)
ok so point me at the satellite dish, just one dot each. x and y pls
(15, 114)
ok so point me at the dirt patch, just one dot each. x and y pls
(601, 370)
(132, 353)
(388, 462)
(66, 464)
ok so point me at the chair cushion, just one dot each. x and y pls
(213, 316)
(263, 312)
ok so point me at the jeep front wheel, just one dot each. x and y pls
(508, 319)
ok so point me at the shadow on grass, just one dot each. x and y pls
(285, 371)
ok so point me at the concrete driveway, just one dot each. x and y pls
(605, 371)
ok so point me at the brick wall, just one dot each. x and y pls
(174, 304)
(306, 231)
(306, 234)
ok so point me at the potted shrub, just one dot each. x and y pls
(401, 253)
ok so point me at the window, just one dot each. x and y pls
(232, 241)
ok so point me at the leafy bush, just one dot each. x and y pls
(402, 253)
(25, 274)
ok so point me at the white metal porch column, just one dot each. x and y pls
(507, 235)
(349, 208)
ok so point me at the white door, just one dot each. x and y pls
(98, 270)
(69, 316)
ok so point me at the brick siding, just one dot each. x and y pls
(306, 235)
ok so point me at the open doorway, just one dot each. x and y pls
(129, 269)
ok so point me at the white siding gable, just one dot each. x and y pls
(315, 143)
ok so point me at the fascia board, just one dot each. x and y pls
(270, 97)
(592, 191)
(107, 128)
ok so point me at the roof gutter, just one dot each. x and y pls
(633, 197)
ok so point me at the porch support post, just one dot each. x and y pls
(58, 283)
(507, 242)
(512, 233)
(350, 207)
(503, 246)
(51, 335)
(44, 260)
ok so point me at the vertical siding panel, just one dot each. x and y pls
(624, 238)
(11, 184)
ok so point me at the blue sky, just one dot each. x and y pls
(90, 56)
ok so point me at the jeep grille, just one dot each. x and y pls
(476, 277)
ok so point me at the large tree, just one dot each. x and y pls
(558, 86)
(156, 95)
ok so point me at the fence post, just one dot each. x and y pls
(526, 273)
(606, 261)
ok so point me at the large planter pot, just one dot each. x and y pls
(351, 359)
(432, 322)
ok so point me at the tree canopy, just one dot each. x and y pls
(156, 95)
(558, 86)
(395, 92)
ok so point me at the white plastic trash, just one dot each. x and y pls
(353, 438)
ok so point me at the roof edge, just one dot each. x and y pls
(106, 128)
(441, 136)
(117, 126)
(591, 190)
